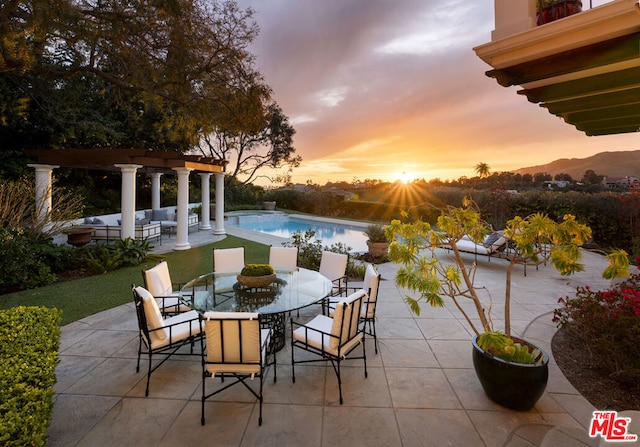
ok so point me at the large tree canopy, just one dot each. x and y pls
(264, 140)
(157, 74)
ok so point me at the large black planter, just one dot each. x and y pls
(512, 385)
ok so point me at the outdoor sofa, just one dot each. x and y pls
(167, 220)
(103, 232)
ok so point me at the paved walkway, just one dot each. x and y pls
(421, 389)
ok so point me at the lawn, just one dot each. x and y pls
(82, 297)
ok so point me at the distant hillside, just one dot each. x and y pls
(610, 164)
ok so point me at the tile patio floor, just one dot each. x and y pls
(421, 389)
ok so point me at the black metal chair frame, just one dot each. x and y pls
(335, 359)
(369, 322)
(238, 376)
(166, 351)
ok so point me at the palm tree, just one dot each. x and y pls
(482, 169)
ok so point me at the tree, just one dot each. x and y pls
(264, 138)
(591, 178)
(482, 169)
(563, 177)
(100, 73)
(541, 177)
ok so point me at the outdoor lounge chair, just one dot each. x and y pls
(162, 336)
(237, 347)
(158, 282)
(331, 339)
(370, 286)
(492, 245)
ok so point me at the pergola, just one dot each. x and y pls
(129, 162)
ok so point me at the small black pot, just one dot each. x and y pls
(513, 385)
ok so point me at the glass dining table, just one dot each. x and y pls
(291, 290)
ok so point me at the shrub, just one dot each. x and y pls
(375, 233)
(310, 251)
(23, 262)
(257, 270)
(29, 342)
(608, 322)
(102, 259)
(124, 253)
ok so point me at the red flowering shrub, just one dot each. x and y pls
(608, 322)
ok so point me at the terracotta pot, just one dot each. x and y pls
(79, 237)
(513, 385)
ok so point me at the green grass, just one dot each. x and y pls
(82, 297)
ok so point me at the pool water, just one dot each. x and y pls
(283, 226)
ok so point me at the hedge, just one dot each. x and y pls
(29, 342)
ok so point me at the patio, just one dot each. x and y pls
(421, 389)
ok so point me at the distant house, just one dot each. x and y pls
(621, 183)
(556, 183)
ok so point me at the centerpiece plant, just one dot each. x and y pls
(434, 275)
(256, 275)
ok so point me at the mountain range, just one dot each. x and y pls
(610, 164)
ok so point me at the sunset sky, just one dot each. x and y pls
(378, 88)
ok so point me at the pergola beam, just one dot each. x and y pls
(131, 161)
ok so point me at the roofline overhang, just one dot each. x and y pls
(605, 22)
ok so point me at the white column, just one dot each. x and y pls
(513, 17)
(182, 211)
(155, 190)
(219, 204)
(43, 190)
(128, 200)
(205, 215)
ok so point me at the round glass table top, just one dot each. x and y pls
(221, 292)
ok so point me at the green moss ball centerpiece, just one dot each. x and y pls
(257, 275)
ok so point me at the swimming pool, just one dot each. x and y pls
(284, 226)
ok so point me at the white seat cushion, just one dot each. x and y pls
(186, 325)
(240, 355)
(283, 258)
(228, 259)
(313, 338)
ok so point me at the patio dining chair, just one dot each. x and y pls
(331, 339)
(334, 266)
(283, 258)
(228, 260)
(157, 281)
(237, 346)
(162, 336)
(370, 285)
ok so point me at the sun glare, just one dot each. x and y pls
(404, 177)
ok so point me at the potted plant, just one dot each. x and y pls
(256, 275)
(512, 371)
(550, 10)
(378, 241)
